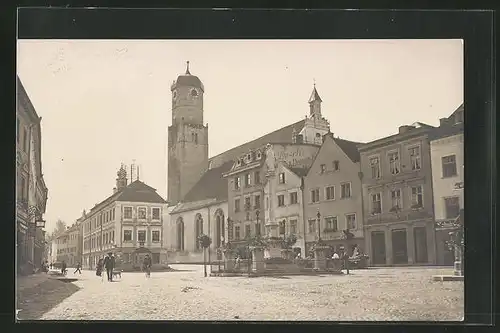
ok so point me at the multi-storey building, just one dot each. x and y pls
(447, 159)
(197, 190)
(129, 223)
(31, 191)
(333, 189)
(397, 197)
(62, 247)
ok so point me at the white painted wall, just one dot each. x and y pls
(445, 187)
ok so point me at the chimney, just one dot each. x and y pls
(442, 121)
(404, 129)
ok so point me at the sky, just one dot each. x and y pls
(107, 102)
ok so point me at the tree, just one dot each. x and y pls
(205, 242)
(60, 227)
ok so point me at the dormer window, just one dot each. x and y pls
(318, 135)
(238, 163)
(336, 166)
(258, 155)
(249, 157)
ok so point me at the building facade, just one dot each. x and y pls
(398, 198)
(31, 191)
(447, 158)
(333, 189)
(201, 198)
(129, 223)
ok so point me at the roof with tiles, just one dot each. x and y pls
(284, 134)
(350, 148)
(136, 191)
(212, 185)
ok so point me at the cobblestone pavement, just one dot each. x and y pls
(373, 294)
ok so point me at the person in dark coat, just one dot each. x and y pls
(109, 264)
(63, 267)
(99, 265)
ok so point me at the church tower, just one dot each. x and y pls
(315, 125)
(187, 137)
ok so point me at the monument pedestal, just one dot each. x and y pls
(257, 259)
(287, 254)
(319, 251)
(274, 248)
(229, 256)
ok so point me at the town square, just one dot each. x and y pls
(176, 183)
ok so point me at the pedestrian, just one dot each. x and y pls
(78, 268)
(109, 264)
(335, 255)
(63, 268)
(51, 265)
(98, 271)
(146, 265)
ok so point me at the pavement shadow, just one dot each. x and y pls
(32, 303)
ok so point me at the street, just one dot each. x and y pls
(372, 294)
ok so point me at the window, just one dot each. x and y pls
(105, 238)
(376, 203)
(141, 213)
(247, 180)
(330, 193)
(396, 199)
(113, 236)
(331, 223)
(281, 200)
(350, 220)
(155, 258)
(315, 195)
(267, 202)
(282, 178)
(375, 167)
(449, 166)
(257, 201)
(141, 235)
(293, 198)
(237, 232)
(127, 212)
(237, 183)
(322, 168)
(336, 166)
(394, 162)
(156, 213)
(248, 204)
(345, 190)
(415, 158)
(312, 225)
(293, 226)
(155, 236)
(282, 227)
(113, 214)
(127, 235)
(236, 205)
(452, 206)
(257, 177)
(417, 197)
(247, 231)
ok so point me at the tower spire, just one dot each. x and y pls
(187, 68)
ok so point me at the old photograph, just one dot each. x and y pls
(240, 180)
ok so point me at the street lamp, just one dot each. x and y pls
(258, 224)
(318, 215)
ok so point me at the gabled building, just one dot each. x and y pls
(31, 191)
(398, 199)
(333, 189)
(447, 159)
(129, 223)
(197, 190)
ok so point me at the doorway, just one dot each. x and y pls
(420, 238)
(378, 248)
(399, 246)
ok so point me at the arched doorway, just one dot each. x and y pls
(180, 234)
(139, 255)
(198, 223)
(219, 227)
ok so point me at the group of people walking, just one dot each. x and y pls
(109, 264)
